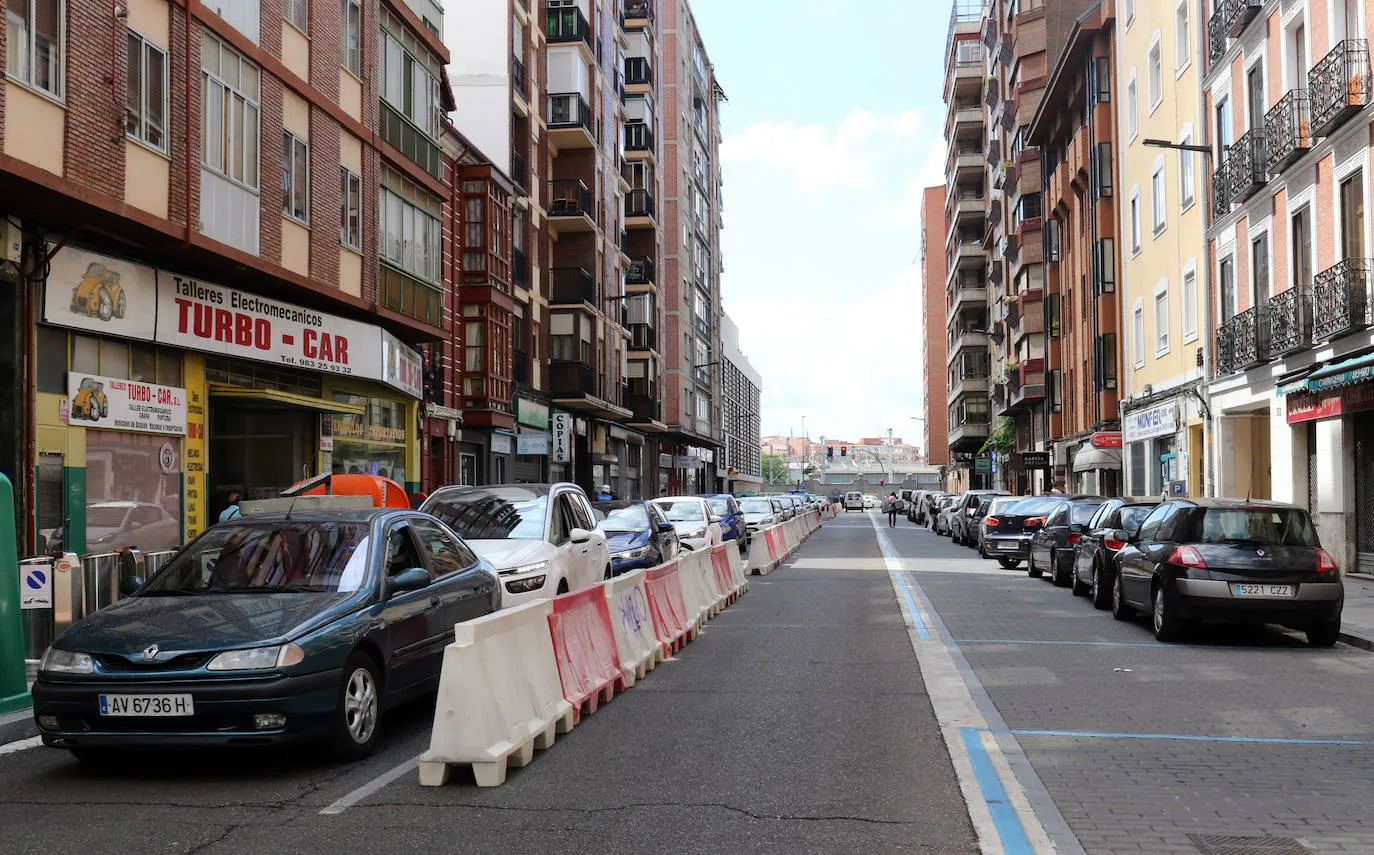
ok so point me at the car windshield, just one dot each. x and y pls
(719, 507)
(1004, 504)
(1133, 515)
(492, 514)
(684, 511)
(632, 518)
(1081, 512)
(1035, 505)
(1256, 525)
(755, 506)
(105, 516)
(268, 557)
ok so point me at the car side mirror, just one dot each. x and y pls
(129, 585)
(409, 580)
(579, 535)
(1077, 528)
(664, 528)
(1121, 535)
(714, 518)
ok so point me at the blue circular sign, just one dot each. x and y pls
(36, 579)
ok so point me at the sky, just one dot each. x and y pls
(834, 124)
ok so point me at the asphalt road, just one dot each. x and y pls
(798, 722)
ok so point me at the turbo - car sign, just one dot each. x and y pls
(114, 404)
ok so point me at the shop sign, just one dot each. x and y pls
(167, 458)
(113, 404)
(1149, 423)
(356, 427)
(535, 444)
(1311, 406)
(402, 367)
(983, 463)
(531, 413)
(685, 461)
(561, 428)
(500, 443)
(665, 461)
(102, 294)
(1110, 439)
(1035, 460)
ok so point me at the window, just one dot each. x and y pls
(145, 116)
(1138, 334)
(446, 555)
(1189, 305)
(350, 208)
(1156, 76)
(1226, 288)
(410, 226)
(1223, 128)
(1135, 222)
(33, 47)
(1259, 270)
(1162, 320)
(410, 80)
(1187, 182)
(295, 177)
(1301, 239)
(1183, 39)
(229, 121)
(1352, 216)
(353, 36)
(297, 14)
(1158, 200)
(1132, 103)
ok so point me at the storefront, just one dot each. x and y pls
(1096, 464)
(158, 396)
(531, 460)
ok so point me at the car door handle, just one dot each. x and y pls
(434, 601)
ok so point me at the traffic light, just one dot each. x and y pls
(830, 452)
(844, 451)
(882, 480)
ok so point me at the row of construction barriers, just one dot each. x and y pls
(514, 679)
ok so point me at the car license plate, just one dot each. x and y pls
(1265, 591)
(161, 706)
(1008, 546)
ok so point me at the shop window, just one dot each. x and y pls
(114, 359)
(130, 500)
(52, 360)
(169, 367)
(85, 354)
(372, 443)
(143, 363)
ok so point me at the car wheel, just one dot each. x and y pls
(1324, 634)
(983, 552)
(1101, 595)
(1031, 570)
(1080, 588)
(1057, 574)
(1009, 563)
(1120, 610)
(120, 307)
(355, 723)
(1168, 627)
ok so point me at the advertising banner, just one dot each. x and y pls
(113, 404)
(93, 292)
(1149, 423)
(560, 428)
(532, 443)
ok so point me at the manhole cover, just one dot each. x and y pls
(1226, 844)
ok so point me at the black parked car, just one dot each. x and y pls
(1229, 559)
(1007, 533)
(964, 519)
(1094, 556)
(1051, 547)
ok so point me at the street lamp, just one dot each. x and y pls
(1200, 149)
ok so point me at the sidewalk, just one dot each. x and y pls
(1357, 619)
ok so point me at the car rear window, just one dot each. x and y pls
(1081, 512)
(1132, 516)
(1035, 505)
(1254, 525)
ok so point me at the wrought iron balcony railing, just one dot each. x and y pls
(1340, 299)
(1217, 37)
(1235, 14)
(1288, 130)
(1250, 338)
(1221, 190)
(1245, 166)
(1225, 344)
(1338, 85)
(1290, 321)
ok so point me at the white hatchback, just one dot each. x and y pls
(541, 538)
(697, 527)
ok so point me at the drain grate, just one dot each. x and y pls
(1226, 844)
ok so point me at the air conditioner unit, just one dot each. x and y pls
(13, 241)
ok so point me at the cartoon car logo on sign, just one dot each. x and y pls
(90, 401)
(99, 294)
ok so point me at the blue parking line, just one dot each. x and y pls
(917, 622)
(1076, 734)
(1155, 644)
(1004, 818)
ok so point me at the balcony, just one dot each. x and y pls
(519, 173)
(1288, 130)
(1338, 86)
(1221, 190)
(520, 369)
(517, 77)
(968, 252)
(968, 207)
(1290, 321)
(960, 339)
(1245, 166)
(1217, 38)
(567, 25)
(570, 121)
(965, 118)
(643, 337)
(571, 208)
(638, 13)
(968, 384)
(1225, 356)
(1340, 299)
(571, 379)
(520, 268)
(638, 72)
(571, 286)
(1249, 338)
(644, 408)
(640, 272)
(639, 209)
(966, 292)
(638, 137)
(1235, 14)
(967, 163)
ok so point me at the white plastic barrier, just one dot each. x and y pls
(633, 624)
(697, 595)
(737, 567)
(499, 696)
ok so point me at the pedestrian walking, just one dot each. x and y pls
(893, 505)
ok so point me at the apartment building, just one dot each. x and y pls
(1075, 130)
(741, 385)
(184, 311)
(1161, 211)
(935, 383)
(1286, 96)
(691, 99)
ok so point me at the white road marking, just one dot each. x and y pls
(372, 786)
(21, 745)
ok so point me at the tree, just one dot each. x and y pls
(775, 469)
(1003, 439)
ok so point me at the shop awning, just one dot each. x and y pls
(278, 398)
(1359, 369)
(1089, 458)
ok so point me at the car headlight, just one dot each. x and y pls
(631, 553)
(57, 661)
(701, 532)
(525, 568)
(257, 658)
(524, 586)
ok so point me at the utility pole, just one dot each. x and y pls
(892, 476)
